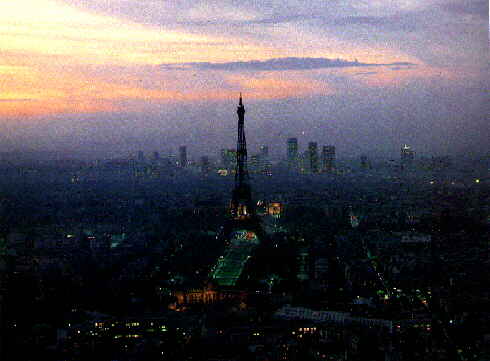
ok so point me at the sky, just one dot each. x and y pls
(106, 78)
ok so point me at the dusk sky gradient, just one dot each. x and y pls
(106, 78)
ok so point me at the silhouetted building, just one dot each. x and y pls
(228, 158)
(141, 156)
(364, 162)
(156, 156)
(259, 163)
(183, 156)
(205, 166)
(313, 156)
(292, 153)
(328, 158)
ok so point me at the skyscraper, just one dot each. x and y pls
(228, 158)
(205, 166)
(183, 156)
(313, 156)
(364, 162)
(328, 158)
(141, 156)
(292, 153)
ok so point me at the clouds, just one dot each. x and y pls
(276, 64)
(467, 7)
(406, 30)
(114, 59)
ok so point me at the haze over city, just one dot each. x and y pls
(102, 79)
(242, 180)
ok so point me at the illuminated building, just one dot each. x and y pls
(292, 153)
(255, 163)
(274, 209)
(313, 156)
(328, 158)
(228, 158)
(407, 155)
(183, 156)
(303, 263)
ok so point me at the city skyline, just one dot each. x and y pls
(95, 78)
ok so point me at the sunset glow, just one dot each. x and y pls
(88, 57)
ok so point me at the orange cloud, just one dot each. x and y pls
(278, 85)
(47, 47)
(50, 28)
(386, 77)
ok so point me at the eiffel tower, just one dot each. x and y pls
(242, 230)
(241, 207)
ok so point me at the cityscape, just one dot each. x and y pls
(244, 180)
(245, 258)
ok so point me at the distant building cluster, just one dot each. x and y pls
(309, 161)
(314, 159)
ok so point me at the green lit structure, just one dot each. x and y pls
(229, 266)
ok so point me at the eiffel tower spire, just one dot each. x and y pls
(241, 204)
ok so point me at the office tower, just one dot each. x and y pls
(328, 158)
(156, 156)
(264, 164)
(292, 153)
(183, 156)
(303, 162)
(141, 156)
(205, 167)
(228, 158)
(407, 155)
(255, 163)
(364, 162)
(313, 156)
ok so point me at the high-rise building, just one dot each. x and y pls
(205, 166)
(156, 156)
(407, 155)
(365, 162)
(183, 156)
(328, 158)
(313, 156)
(228, 158)
(292, 153)
(141, 156)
